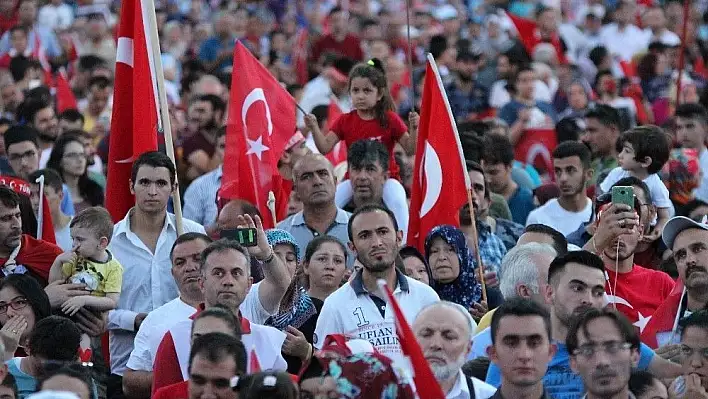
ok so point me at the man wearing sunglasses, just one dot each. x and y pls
(693, 382)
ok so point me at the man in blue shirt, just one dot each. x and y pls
(467, 97)
(217, 51)
(497, 160)
(576, 284)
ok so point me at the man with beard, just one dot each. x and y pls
(632, 289)
(358, 308)
(444, 332)
(571, 165)
(503, 230)
(40, 115)
(11, 97)
(521, 347)
(688, 240)
(314, 183)
(576, 283)
(205, 116)
(467, 97)
(694, 358)
(602, 129)
(603, 347)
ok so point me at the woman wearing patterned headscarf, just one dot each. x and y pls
(452, 265)
(320, 274)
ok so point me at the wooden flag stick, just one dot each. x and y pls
(40, 212)
(475, 243)
(156, 55)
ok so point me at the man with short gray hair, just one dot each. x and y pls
(524, 273)
(444, 331)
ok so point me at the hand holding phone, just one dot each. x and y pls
(247, 237)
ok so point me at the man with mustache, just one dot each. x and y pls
(688, 240)
(205, 116)
(631, 289)
(603, 347)
(444, 332)
(576, 283)
(358, 308)
(21, 253)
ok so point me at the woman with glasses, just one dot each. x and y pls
(68, 157)
(23, 303)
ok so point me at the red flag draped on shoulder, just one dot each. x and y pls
(23, 188)
(261, 123)
(426, 385)
(134, 121)
(438, 149)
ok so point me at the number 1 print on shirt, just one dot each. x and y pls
(359, 313)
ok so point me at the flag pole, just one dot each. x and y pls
(40, 211)
(682, 53)
(271, 207)
(475, 244)
(410, 52)
(164, 115)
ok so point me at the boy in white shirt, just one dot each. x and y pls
(643, 151)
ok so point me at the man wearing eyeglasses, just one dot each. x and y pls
(694, 358)
(603, 347)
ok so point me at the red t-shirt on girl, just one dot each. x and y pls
(350, 127)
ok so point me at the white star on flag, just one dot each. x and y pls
(256, 147)
(641, 321)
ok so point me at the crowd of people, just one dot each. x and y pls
(582, 274)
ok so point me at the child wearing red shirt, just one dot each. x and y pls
(373, 118)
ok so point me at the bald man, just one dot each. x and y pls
(314, 183)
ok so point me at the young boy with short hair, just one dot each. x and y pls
(643, 151)
(90, 263)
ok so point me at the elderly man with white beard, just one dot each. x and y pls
(444, 331)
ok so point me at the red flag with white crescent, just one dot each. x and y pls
(261, 123)
(134, 121)
(438, 149)
(535, 147)
(338, 154)
(426, 385)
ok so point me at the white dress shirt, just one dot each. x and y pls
(701, 192)
(147, 282)
(154, 327)
(482, 390)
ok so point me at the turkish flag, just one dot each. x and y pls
(529, 36)
(438, 149)
(65, 98)
(663, 326)
(300, 56)
(261, 123)
(425, 383)
(135, 119)
(338, 154)
(254, 365)
(535, 148)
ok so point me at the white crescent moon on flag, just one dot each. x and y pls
(256, 95)
(536, 150)
(433, 178)
(618, 300)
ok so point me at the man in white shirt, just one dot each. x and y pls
(357, 309)
(200, 196)
(141, 243)
(571, 165)
(692, 133)
(444, 332)
(655, 22)
(226, 281)
(185, 256)
(56, 15)
(622, 38)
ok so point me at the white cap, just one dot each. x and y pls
(53, 395)
(676, 225)
(445, 12)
